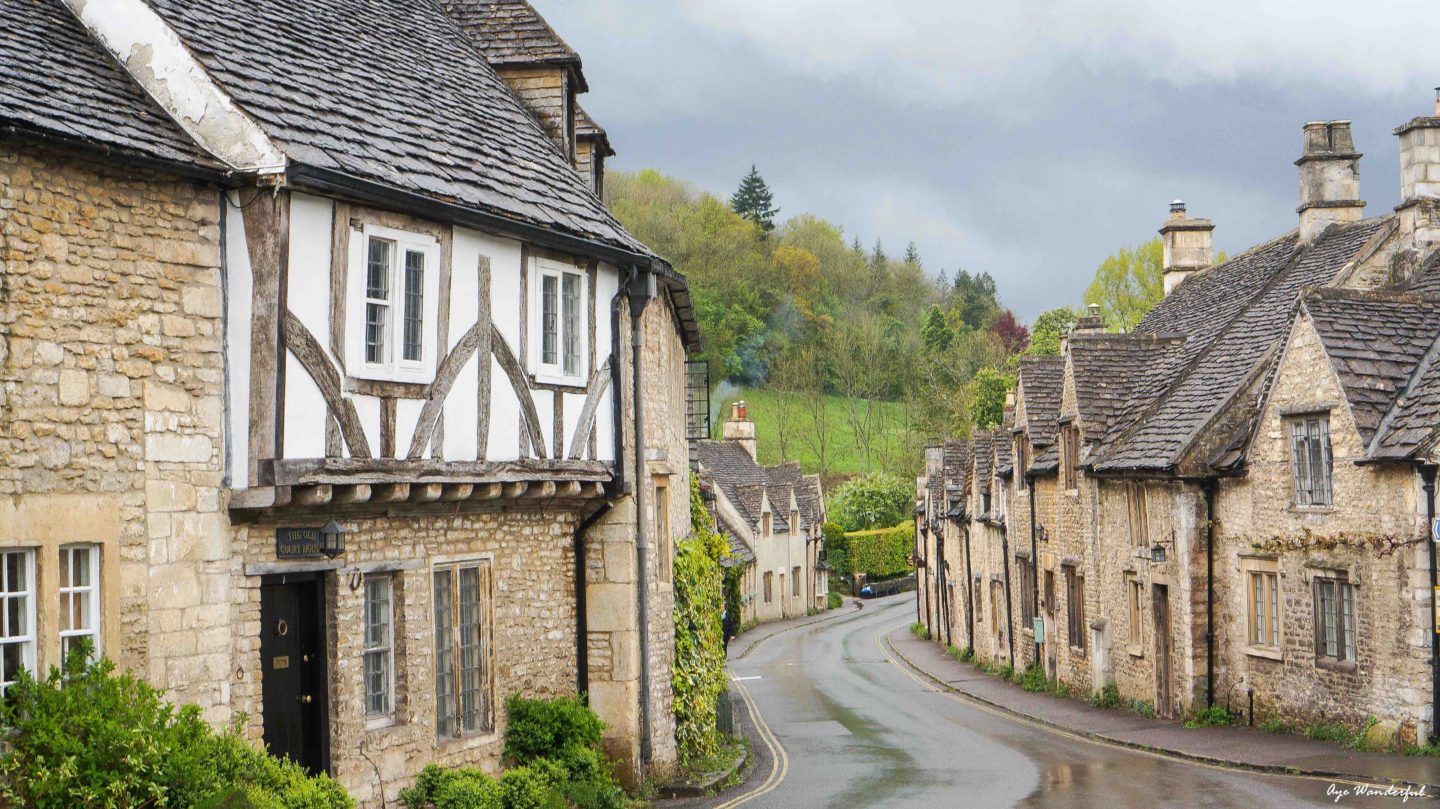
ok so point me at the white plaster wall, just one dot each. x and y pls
(304, 413)
(239, 290)
(407, 415)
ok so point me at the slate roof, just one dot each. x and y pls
(510, 32)
(585, 127)
(956, 457)
(1426, 280)
(1260, 288)
(1374, 342)
(59, 81)
(1411, 427)
(1004, 463)
(391, 92)
(1116, 376)
(1040, 382)
(743, 481)
(983, 454)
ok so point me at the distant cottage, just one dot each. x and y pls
(1235, 498)
(333, 395)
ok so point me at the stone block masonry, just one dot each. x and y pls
(111, 385)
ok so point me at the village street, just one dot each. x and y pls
(853, 726)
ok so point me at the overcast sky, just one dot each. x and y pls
(1025, 139)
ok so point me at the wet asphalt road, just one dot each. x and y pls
(849, 727)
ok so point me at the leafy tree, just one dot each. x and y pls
(754, 201)
(935, 332)
(1128, 284)
(1049, 328)
(986, 396)
(874, 501)
(912, 255)
(1015, 336)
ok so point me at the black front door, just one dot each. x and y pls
(292, 651)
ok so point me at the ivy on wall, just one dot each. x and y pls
(698, 674)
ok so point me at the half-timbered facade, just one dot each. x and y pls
(386, 411)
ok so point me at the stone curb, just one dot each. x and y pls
(699, 789)
(1251, 766)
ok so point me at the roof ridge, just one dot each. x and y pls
(1300, 251)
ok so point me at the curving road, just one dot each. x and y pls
(838, 722)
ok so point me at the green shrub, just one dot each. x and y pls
(881, 552)
(872, 501)
(920, 631)
(1007, 673)
(1107, 697)
(90, 737)
(559, 729)
(1274, 725)
(1059, 689)
(1033, 679)
(1212, 717)
(1328, 732)
(1141, 707)
(834, 600)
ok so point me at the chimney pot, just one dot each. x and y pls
(1177, 209)
(1437, 100)
(739, 429)
(1093, 309)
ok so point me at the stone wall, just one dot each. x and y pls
(111, 416)
(545, 92)
(533, 633)
(1369, 534)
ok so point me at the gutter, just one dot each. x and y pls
(640, 290)
(197, 171)
(1210, 485)
(1034, 566)
(1427, 484)
(582, 626)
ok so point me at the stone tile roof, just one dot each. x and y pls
(510, 32)
(1260, 288)
(60, 81)
(1040, 382)
(983, 453)
(1375, 343)
(740, 550)
(956, 456)
(1413, 425)
(1004, 462)
(1116, 376)
(1426, 280)
(1047, 462)
(392, 93)
(743, 481)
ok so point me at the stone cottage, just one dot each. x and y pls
(773, 518)
(321, 394)
(1232, 501)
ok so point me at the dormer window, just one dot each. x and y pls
(560, 327)
(392, 303)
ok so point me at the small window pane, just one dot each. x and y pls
(377, 318)
(446, 710)
(377, 275)
(1347, 620)
(17, 605)
(549, 317)
(414, 300)
(571, 309)
(79, 598)
(379, 646)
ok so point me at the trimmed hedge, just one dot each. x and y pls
(879, 553)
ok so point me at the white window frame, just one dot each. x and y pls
(92, 612)
(554, 372)
(385, 649)
(26, 640)
(393, 367)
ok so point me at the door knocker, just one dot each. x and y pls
(281, 628)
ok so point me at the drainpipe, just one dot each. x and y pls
(1427, 477)
(1034, 565)
(1210, 486)
(919, 533)
(582, 628)
(640, 287)
(617, 393)
(969, 593)
(1009, 619)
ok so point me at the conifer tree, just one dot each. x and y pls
(912, 255)
(754, 201)
(878, 259)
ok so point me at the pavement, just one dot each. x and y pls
(836, 717)
(1241, 747)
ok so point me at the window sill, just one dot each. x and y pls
(1293, 509)
(380, 723)
(1135, 650)
(576, 383)
(1078, 650)
(1341, 666)
(449, 743)
(1265, 652)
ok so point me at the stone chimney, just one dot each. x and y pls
(1419, 206)
(1329, 178)
(1189, 246)
(1091, 322)
(739, 429)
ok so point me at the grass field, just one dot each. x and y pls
(896, 449)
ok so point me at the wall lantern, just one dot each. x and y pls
(332, 539)
(1157, 553)
(1041, 533)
